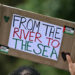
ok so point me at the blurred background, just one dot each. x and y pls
(64, 9)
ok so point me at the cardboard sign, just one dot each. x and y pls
(36, 37)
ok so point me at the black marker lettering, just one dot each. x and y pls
(29, 24)
(52, 30)
(57, 32)
(22, 22)
(14, 19)
(37, 26)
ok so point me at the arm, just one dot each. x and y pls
(71, 65)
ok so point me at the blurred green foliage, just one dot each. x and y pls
(12, 2)
(64, 9)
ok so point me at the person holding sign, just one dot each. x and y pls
(71, 65)
(30, 71)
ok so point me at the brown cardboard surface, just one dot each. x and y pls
(0, 12)
(68, 42)
(0, 18)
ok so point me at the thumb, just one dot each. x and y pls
(69, 59)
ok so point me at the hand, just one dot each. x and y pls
(71, 65)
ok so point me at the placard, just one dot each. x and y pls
(35, 37)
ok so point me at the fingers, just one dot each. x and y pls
(68, 59)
